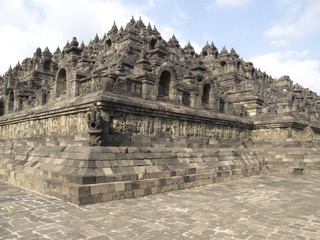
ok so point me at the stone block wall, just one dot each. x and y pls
(66, 127)
(289, 160)
(152, 148)
(126, 122)
(84, 175)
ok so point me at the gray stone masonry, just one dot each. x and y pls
(260, 207)
(84, 175)
(131, 114)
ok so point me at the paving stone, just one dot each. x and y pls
(259, 207)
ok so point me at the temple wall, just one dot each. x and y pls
(302, 135)
(55, 124)
(270, 134)
(151, 147)
(124, 121)
(68, 124)
(119, 85)
(134, 124)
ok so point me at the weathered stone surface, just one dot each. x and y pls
(91, 177)
(259, 207)
(131, 114)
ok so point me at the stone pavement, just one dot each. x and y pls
(259, 207)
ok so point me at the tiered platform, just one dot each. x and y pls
(84, 175)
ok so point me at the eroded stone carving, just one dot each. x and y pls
(95, 126)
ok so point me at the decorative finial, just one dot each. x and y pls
(114, 27)
(82, 45)
(96, 39)
(57, 50)
(224, 50)
(212, 46)
(74, 42)
(67, 44)
(155, 30)
(46, 50)
(132, 21)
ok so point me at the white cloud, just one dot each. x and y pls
(24, 26)
(179, 17)
(298, 20)
(306, 72)
(280, 31)
(232, 3)
(279, 43)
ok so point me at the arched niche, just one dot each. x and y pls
(206, 94)
(61, 83)
(221, 106)
(1, 108)
(223, 67)
(11, 101)
(223, 64)
(47, 66)
(238, 66)
(186, 99)
(253, 73)
(164, 84)
(152, 43)
(107, 44)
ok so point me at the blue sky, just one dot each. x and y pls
(281, 37)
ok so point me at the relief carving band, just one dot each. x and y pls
(95, 126)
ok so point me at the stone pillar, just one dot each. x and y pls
(228, 108)
(212, 100)
(194, 101)
(148, 84)
(74, 88)
(145, 89)
(73, 84)
(43, 98)
(17, 104)
(289, 132)
(173, 94)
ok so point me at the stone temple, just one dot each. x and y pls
(131, 114)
